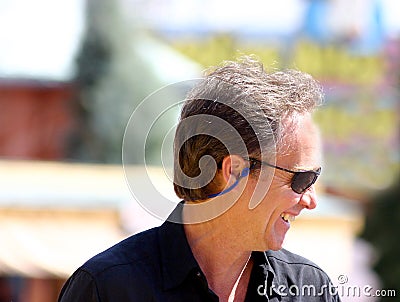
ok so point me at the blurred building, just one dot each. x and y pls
(36, 118)
(55, 216)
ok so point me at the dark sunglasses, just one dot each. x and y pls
(301, 181)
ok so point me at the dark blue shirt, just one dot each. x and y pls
(158, 265)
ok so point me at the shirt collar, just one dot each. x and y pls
(176, 256)
(262, 262)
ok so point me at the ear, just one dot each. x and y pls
(232, 167)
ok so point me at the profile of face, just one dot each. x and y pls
(264, 227)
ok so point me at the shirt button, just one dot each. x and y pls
(198, 274)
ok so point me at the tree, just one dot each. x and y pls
(383, 216)
(382, 230)
(111, 80)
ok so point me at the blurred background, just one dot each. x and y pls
(72, 72)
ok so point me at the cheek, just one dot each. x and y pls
(273, 197)
(282, 197)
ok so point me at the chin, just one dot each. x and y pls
(276, 244)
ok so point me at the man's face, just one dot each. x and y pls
(268, 223)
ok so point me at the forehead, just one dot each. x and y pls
(301, 143)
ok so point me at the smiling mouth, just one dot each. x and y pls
(288, 217)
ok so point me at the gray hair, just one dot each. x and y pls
(249, 99)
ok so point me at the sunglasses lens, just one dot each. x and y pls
(303, 180)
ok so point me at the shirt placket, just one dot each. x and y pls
(260, 283)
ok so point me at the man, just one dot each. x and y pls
(247, 155)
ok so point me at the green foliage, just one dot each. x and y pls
(339, 124)
(331, 62)
(111, 80)
(360, 145)
(382, 230)
(213, 50)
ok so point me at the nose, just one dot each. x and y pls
(309, 198)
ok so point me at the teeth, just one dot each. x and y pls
(287, 217)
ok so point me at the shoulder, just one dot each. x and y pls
(286, 257)
(289, 265)
(132, 261)
(300, 278)
(134, 250)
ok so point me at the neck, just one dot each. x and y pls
(218, 251)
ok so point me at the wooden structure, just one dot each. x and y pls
(36, 118)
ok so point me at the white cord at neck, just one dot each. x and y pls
(233, 292)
